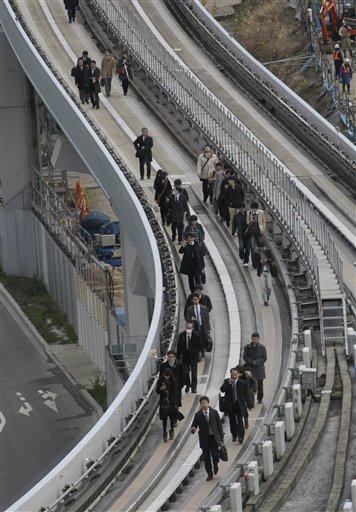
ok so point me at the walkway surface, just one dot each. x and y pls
(42, 414)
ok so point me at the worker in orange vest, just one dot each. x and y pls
(338, 60)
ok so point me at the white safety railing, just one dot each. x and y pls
(281, 190)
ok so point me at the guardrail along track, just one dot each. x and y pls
(321, 138)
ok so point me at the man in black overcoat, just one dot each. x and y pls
(211, 435)
(71, 6)
(94, 84)
(177, 207)
(143, 145)
(189, 347)
(236, 400)
(255, 356)
(192, 262)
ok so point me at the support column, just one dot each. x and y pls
(236, 497)
(280, 440)
(17, 137)
(138, 294)
(267, 457)
(289, 416)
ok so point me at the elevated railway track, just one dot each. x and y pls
(118, 120)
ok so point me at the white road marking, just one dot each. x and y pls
(51, 403)
(2, 421)
(25, 409)
(47, 394)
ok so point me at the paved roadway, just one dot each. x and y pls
(42, 415)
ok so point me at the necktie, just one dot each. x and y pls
(234, 392)
(197, 315)
(206, 416)
(188, 340)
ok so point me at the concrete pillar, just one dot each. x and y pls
(280, 440)
(17, 140)
(289, 419)
(267, 458)
(354, 354)
(215, 508)
(353, 494)
(252, 477)
(306, 357)
(236, 497)
(138, 295)
(307, 339)
(297, 401)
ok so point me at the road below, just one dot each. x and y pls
(42, 414)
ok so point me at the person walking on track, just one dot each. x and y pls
(108, 67)
(124, 71)
(255, 356)
(143, 145)
(188, 352)
(236, 402)
(167, 388)
(211, 435)
(206, 171)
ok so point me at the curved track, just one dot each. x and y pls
(119, 118)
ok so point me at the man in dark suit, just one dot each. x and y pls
(177, 206)
(188, 349)
(236, 400)
(94, 84)
(143, 145)
(182, 190)
(211, 435)
(204, 299)
(200, 315)
(192, 262)
(255, 356)
(177, 370)
(71, 6)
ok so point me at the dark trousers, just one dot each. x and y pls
(142, 168)
(190, 375)
(163, 210)
(207, 190)
(172, 418)
(194, 281)
(202, 333)
(237, 428)
(125, 85)
(244, 249)
(94, 98)
(337, 65)
(83, 95)
(177, 226)
(108, 85)
(260, 389)
(348, 87)
(71, 13)
(211, 453)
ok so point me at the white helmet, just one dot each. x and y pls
(337, 46)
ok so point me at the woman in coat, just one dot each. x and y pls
(167, 388)
(81, 78)
(346, 75)
(163, 190)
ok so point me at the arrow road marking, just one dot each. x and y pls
(51, 402)
(26, 408)
(47, 394)
(2, 421)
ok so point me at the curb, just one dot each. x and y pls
(7, 300)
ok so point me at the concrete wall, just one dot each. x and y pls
(17, 144)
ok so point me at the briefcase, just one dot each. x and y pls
(209, 343)
(223, 453)
(222, 402)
